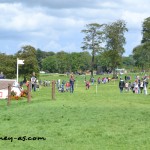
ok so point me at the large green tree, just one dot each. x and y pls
(85, 60)
(50, 64)
(138, 56)
(141, 53)
(115, 41)
(146, 31)
(28, 54)
(80, 61)
(41, 55)
(75, 61)
(103, 62)
(93, 40)
(128, 61)
(146, 42)
(8, 65)
(63, 61)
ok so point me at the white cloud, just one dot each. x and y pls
(134, 19)
(109, 5)
(54, 25)
(139, 5)
(20, 19)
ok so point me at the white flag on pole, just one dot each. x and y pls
(21, 62)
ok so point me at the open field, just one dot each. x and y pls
(84, 120)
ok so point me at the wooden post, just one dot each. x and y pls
(53, 90)
(29, 92)
(9, 94)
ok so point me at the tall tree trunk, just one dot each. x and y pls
(114, 73)
(92, 64)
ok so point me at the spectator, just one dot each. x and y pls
(136, 87)
(127, 87)
(2, 75)
(72, 84)
(145, 83)
(33, 81)
(121, 85)
(99, 80)
(92, 80)
(67, 86)
(87, 85)
(141, 86)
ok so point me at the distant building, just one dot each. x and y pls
(42, 72)
(121, 71)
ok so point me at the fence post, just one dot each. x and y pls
(53, 90)
(9, 94)
(29, 92)
(96, 88)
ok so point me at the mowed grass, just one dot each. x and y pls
(84, 120)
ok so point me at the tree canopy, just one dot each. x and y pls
(115, 41)
(93, 39)
(141, 53)
(28, 54)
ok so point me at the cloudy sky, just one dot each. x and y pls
(55, 25)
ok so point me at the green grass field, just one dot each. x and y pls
(84, 120)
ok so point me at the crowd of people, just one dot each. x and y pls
(99, 80)
(66, 86)
(138, 86)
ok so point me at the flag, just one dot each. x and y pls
(21, 62)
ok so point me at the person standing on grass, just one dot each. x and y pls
(141, 86)
(87, 84)
(33, 81)
(67, 86)
(126, 86)
(121, 85)
(136, 87)
(92, 80)
(145, 83)
(98, 80)
(2, 75)
(72, 80)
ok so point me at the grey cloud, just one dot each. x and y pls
(57, 23)
(62, 4)
(55, 3)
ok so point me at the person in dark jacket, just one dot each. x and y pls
(121, 85)
(72, 84)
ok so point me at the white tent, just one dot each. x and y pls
(4, 88)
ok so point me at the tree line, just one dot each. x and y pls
(141, 53)
(103, 47)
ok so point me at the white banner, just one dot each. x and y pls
(21, 62)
